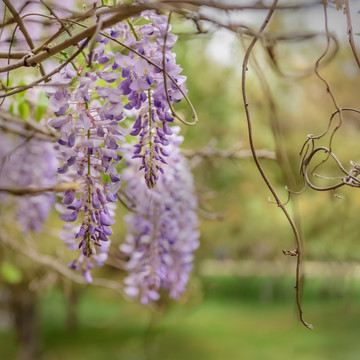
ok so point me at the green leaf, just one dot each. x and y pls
(10, 273)
(11, 109)
(43, 100)
(106, 178)
(21, 94)
(24, 110)
(42, 104)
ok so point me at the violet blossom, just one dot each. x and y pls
(28, 164)
(162, 234)
(143, 86)
(89, 115)
(87, 150)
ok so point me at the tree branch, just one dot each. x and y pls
(350, 32)
(63, 25)
(28, 125)
(38, 81)
(258, 165)
(20, 191)
(13, 54)
(22, 28)
(232, 153)
(123, 13)
(258, 5)
(51, 262)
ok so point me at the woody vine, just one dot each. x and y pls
(110, 135)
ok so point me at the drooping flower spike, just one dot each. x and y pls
(88, 150)
(24, 163)
(162, 234)
(143, 86)
(91, 107)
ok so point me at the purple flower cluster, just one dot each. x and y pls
(28, 164)
(162, 234)
(90, 105)
(143, 86)
(88, 151)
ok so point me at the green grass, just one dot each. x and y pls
(223, 324)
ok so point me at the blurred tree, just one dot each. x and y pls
(89, 94)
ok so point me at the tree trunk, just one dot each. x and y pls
(72, 298)
(23, 305)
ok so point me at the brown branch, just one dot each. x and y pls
(29, 124)
(173, 112)
(194, 114)
(269, 42)
(270, 45)
(22, 29)
(234, 153)
(13, 54)
(44, 78)
(122, 12)
(63, 26)
(51, 262)
(309, 144)
(46, 42)
(21, 191)
(275, 125)
(21, 131)
(93, 40)
(52, 37)
(258, 165)
(33, 60)
(258, 5)
(350, 32)
(350, 179)
(308, 147)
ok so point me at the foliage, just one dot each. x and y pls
(100, 106)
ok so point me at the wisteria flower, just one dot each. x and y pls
(162, 234)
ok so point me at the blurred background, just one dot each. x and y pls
(240, 300)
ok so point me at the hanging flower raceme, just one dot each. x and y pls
(89, 107)
(143, 86)
(88, 151)
(162, 233)
(28, 164)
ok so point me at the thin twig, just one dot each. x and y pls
(51, 262)
(350, 32)
(173, 112)
(22, 29)
(275, 125)
(183, 93)
(126, 201)
(13, 54)
(308, 149)
(232, 153)
(350, 179)
(93, 40)
(28, 124)
(258, 5)
(88, 33)
(20, 191)
(8, 61)
(56, 70)
(21, 131)
(258, 165)
(63, 25)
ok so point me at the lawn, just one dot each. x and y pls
(232, 318)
